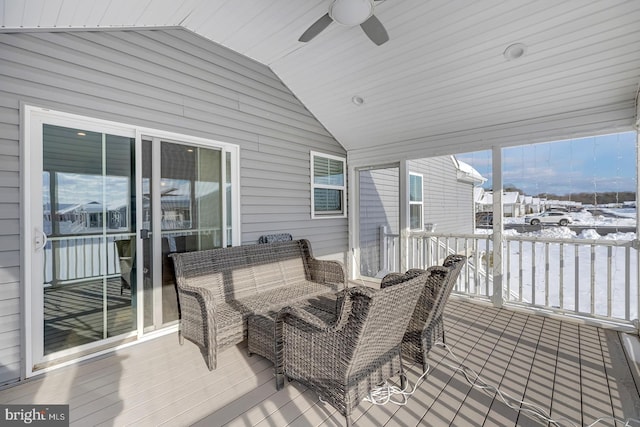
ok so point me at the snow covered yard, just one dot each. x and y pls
(585, 273)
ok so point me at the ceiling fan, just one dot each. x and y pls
(350, 13)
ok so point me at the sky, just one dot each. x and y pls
(594, 164)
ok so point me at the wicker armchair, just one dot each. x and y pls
(426, 326)
(342, 360)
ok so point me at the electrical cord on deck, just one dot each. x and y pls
(384, 393)
(521, 406)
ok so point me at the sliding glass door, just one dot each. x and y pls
(107, 204)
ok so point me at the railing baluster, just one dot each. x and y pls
(593, 279)
(533, 273)
(546, 274)
(561, 277)
(577, 278)
(609, 285)
(488, 257)
(520, 272)
(508, 272)
(68, 258)
(627, 287)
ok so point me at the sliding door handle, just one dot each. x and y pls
(40, 239)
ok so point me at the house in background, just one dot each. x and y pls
(440, 198)
(485, 203)
(513, 203)
(478, 195)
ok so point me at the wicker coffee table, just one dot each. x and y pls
(262, 327)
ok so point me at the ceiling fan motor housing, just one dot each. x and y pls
(351, 12)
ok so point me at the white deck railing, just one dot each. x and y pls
(582, 277)
(80, 258)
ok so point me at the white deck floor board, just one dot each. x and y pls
(568, 369)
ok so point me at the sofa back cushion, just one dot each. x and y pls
(242, 271)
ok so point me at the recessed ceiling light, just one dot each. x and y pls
(515, 51)
(358, 100)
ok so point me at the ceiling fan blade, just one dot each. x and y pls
(316, 28)
(374, 29)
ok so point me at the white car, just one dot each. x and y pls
(560, 218)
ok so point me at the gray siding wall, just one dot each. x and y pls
(169, 80)
(448, 202)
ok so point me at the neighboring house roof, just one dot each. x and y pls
(510, 197)
(466, 172)
(487, 198)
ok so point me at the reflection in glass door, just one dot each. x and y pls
(88, 218)
(183, 210)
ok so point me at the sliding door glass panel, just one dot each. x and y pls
(88, 217)
(191, 209)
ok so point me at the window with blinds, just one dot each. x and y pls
(328, 186)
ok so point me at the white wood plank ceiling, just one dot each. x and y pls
(442, 71)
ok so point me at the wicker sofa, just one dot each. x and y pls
(218, 289)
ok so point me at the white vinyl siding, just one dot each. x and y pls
(328, 186)
(170, 80)
(448, 202)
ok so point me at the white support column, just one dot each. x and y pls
(353, 208)
(404, 216)
(498, 228)
(636, 243)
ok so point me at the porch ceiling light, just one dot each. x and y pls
(351, 12)
(515, 51)
(358, 100)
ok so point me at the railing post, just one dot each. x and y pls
(498, 214)
(404, 216)
(384, 249)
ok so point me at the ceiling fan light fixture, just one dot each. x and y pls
(515, 51)
(351, 12)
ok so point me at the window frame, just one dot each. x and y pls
(342, 188)
(417, 203)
